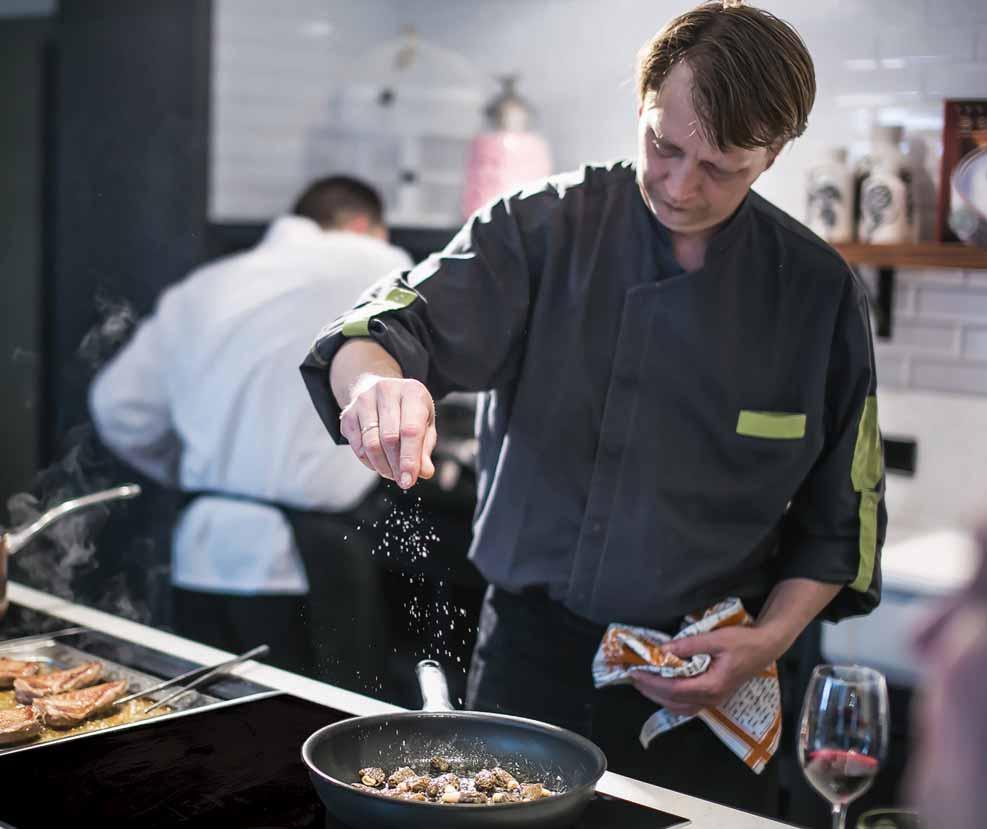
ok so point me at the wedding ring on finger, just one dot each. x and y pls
(366, 429)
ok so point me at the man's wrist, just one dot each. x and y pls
(790, 607)
(362, 382)
(355, 360)
(776, 636)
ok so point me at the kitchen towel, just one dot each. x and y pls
(749, 723)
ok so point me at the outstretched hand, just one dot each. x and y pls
(390, 425)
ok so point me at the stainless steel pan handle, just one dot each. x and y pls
(16, 539)
(433, 685)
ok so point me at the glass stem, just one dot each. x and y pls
(839, 816)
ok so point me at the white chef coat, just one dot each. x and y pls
(207, 396)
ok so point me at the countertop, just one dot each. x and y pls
(702, 814)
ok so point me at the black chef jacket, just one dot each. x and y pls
(651, 441)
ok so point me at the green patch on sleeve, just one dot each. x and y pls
(774, 425)
(868, 455)
(357, 322)
(865, 474)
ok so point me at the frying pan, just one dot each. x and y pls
(532, 751)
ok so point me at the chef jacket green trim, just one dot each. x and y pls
(865, 473)
(357, 322)
(776, 425)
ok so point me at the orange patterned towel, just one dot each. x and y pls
(749, 722)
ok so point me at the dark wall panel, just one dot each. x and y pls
(22, 50)
(131, 163)
(128, 205)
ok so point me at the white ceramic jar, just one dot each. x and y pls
(886, 211)
(829, 197)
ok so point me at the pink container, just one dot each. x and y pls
(499, 162)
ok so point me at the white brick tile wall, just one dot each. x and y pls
(276, 66)
(904, 292)
(882, 11)
(939, 333)
(856, 43)
(892, 368)
(947, 376)
(904, 300)
(871, 85)
(957, 80)
(959, 11)
(956, 303)
(916, 277)
(927, 336)
(975, 342)
(922, 44)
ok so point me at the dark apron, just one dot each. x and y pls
(346, 611)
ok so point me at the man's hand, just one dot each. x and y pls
(738, 654)
(390, 425)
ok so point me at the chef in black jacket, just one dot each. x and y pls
(678, 404)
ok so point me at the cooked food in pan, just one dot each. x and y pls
(18, 725)
(66, 710)
(29, 688)
(47, 705)
(487, 786)
(11, 669)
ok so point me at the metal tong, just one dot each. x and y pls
(210, 672)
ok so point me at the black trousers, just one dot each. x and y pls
(238, 623)
(334, 633)
(533, 658)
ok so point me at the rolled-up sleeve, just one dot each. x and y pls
(455, 322)
(835, 527)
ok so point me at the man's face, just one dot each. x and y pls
(688, 184)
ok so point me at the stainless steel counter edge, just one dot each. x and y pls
(702, 813)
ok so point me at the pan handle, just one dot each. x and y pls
(432, 682)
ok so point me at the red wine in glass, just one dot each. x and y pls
(843, 733)
(840, 776)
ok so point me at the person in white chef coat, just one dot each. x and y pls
(206, 397)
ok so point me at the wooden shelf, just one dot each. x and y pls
(886, 258)
(917, 255)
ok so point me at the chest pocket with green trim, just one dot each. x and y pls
(771, 425)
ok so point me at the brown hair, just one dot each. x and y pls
(334, 200)
(753, 79)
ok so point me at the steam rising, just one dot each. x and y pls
(64, 560)
(66, 550)
(117, 322)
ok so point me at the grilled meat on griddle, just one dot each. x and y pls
(11, 669)
(27, 689)
(66, 710)
(18, 725)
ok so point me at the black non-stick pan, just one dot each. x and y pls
(532, 751)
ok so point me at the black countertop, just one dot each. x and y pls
(234, 766)
(238, 765)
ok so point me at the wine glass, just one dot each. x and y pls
(843, 733)
(889, 819)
